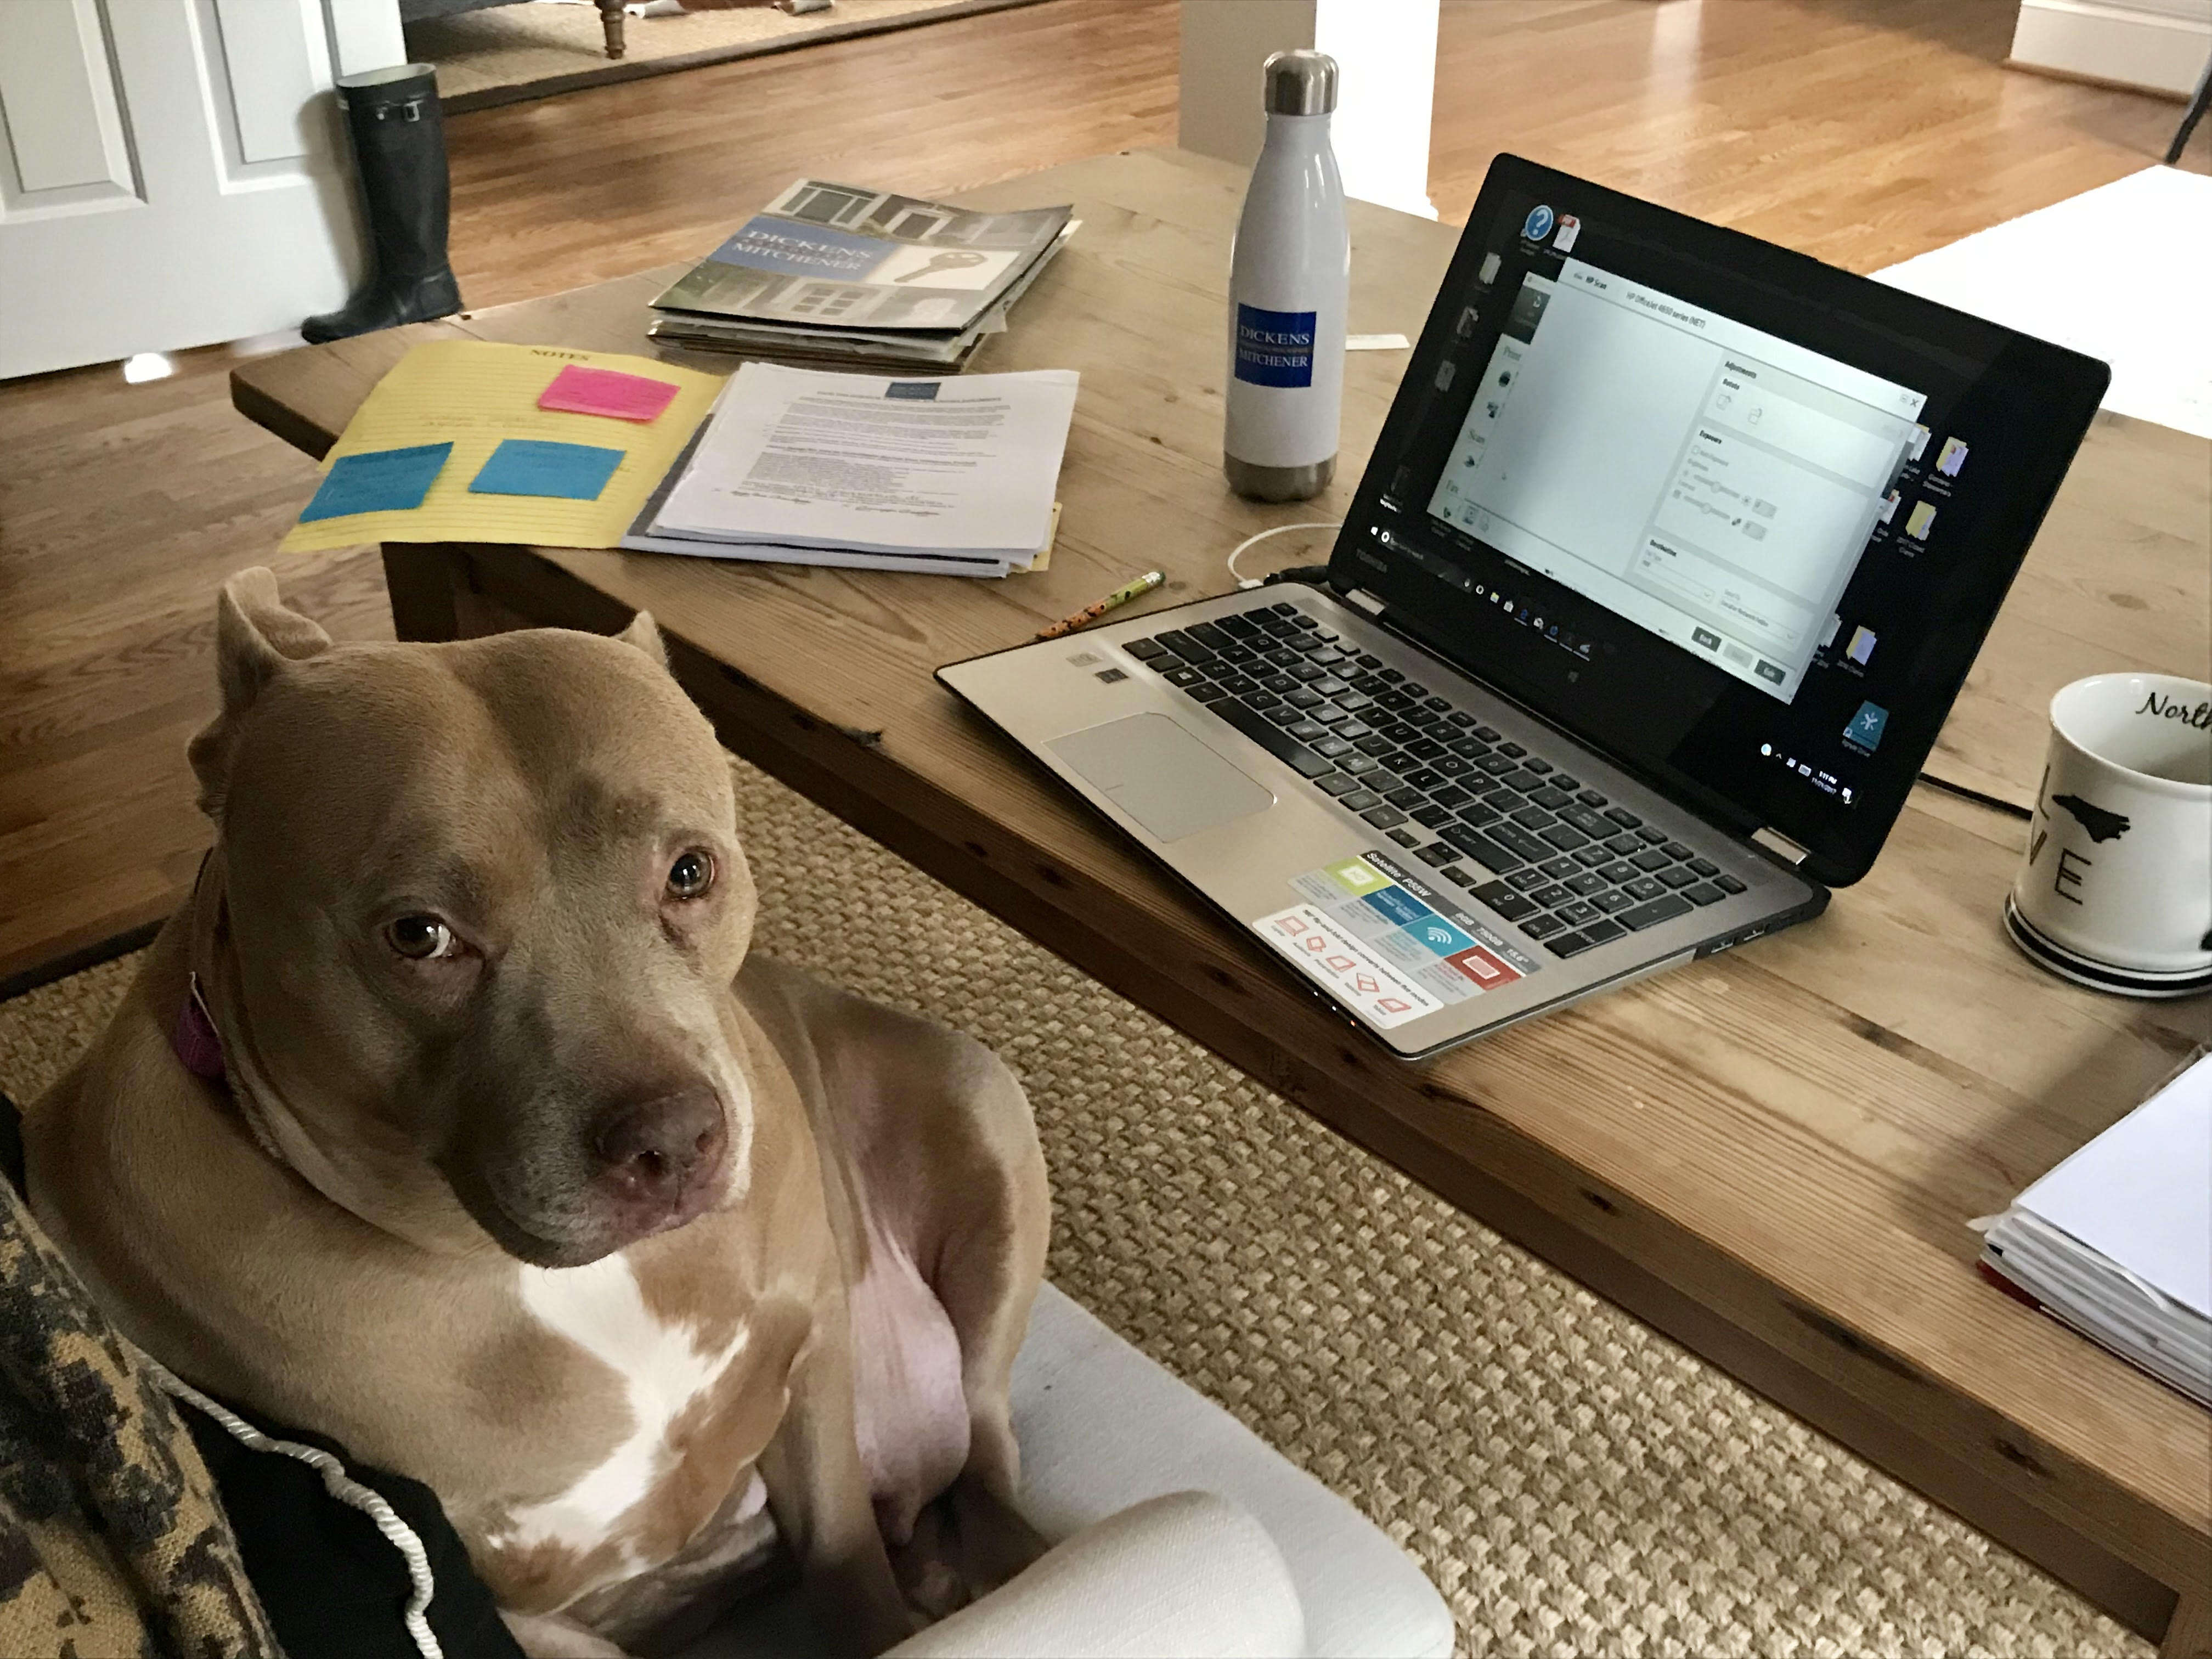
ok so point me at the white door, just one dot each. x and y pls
(172, 171)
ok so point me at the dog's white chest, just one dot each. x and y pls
(664, 1372)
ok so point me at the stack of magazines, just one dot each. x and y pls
(861, 279)
(2117, 1241)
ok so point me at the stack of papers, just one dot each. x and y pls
(861, 278)
(950, 476)
(2117, 1241)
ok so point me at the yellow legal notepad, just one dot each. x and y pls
(476, 395)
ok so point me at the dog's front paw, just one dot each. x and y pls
(927, 1567)
(550, 1635)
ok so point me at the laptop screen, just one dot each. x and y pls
(1738, 518)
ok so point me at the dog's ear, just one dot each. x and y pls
(645, 634)
(256, 634)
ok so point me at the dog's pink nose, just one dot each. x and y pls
(653, 1148)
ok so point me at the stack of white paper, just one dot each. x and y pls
(2117, 1241)
(954, 475)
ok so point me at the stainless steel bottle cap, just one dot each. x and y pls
(1301, 83)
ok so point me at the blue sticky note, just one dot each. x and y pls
(381, 481)
(532, 466)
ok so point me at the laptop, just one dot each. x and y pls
(1674, 552)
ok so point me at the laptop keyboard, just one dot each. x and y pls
(1563, 864)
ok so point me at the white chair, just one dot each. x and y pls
(1176, 1531)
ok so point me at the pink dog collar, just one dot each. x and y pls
(194, 1037)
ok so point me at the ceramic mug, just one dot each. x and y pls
(2116, 891)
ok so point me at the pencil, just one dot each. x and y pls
(1091, 613)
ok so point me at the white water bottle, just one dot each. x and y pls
(1287, 279)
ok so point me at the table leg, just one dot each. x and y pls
(610, 20)
(2190, 1635)
(419, 579)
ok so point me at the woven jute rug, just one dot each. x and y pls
(1574, 1484)
(504, 54)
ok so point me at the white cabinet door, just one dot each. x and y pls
(172, 173)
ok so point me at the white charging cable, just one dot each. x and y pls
(1242, 580)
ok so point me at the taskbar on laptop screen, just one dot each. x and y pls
(1735, 516)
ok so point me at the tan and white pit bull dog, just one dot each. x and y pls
(516, 1174)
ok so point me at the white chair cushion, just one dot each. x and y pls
(1102, 1428)
(1188, 1575)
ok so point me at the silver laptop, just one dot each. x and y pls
(1672, 555)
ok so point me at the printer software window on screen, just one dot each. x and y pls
(1707, 481)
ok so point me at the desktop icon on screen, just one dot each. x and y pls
(1953, 458)
(1488, 274)
(1861, 649)
(1539, 225)
(1865, 727)
(1569, 227)
(1889, 507)
(1917, 522)
(1921, 435)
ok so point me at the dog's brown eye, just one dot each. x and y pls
(691, 875)
(421, 938)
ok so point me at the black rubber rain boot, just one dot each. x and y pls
(399, 156)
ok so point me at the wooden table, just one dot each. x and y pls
(1770, 1156)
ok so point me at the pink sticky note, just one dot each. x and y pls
(583, 391)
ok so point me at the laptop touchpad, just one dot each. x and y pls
(1161, 776)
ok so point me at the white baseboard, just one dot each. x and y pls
(2158, 45)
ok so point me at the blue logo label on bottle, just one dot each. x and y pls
(1275, 348)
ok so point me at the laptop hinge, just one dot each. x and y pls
(1365, 600)
(1781, 846)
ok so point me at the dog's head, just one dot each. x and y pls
(484, 902)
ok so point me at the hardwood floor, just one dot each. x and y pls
(1861, 131)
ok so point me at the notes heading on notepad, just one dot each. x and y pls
(525, 452)
(796, 465)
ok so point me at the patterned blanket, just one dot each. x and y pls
(112, 1540)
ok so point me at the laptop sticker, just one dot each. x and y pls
(1505, 950)
(1369, 920)
(1484, 968)
(1439, 937)
(1400, 908)
(1357, 976)
(1355, 876)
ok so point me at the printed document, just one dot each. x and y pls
(800, 458)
